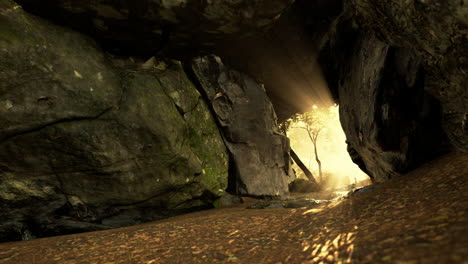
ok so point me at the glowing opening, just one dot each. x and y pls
(338, 170)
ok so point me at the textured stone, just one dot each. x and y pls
(260, 155)
(90, 142)
(435, 31)
(396, 124)
(227, 200)
(303, 186)
(147, 26)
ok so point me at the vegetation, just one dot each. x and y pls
(315, 123)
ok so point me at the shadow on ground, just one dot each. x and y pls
(421, 217)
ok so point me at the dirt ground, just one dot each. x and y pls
(421, 217)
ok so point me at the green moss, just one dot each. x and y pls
(7, 35)
(213, 179)
(206, 142)
(201, 133)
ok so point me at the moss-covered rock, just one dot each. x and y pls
(260, 154)
(201, 129)
(85, 136)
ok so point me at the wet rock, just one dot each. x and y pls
(260, 155)
(85, 136)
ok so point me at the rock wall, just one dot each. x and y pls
(395, 67)
(404, 62)
(435, 31)
(88, 141)
(259, 153)
(395, 126)
(391, 120)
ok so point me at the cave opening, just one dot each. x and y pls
(318, 139)
(117, 114)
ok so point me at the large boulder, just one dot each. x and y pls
(303, 186)
(260, 155)
(90, 142)
(146, 27)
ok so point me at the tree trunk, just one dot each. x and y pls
(302, 166)
(318, 162)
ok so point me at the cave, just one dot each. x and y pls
(118, 113)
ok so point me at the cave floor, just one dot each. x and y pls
(421, 217)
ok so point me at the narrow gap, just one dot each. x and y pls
(234, 183)
(320, 143)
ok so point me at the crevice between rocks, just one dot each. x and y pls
(234, 182)
(54, 123)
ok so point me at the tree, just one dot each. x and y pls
(284, 127)
(314, 122)
(303, 167)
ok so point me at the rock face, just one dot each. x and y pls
(435, 31)
(400, 88)
(90, 142)
(392, 123)
(259, 153)
(404, 62)
(396, 124)
(146, 27)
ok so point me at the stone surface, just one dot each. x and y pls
(260, 155)
(227, 200)
(435, 31)
(396, 124)
(383, 56)
(147, 26)
(89, 141)
(363, 190)
(303, 186)
(392, 119)
(401, 95)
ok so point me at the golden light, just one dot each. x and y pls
(337, 167)
(327, 248)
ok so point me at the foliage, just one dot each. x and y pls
(315, 123)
